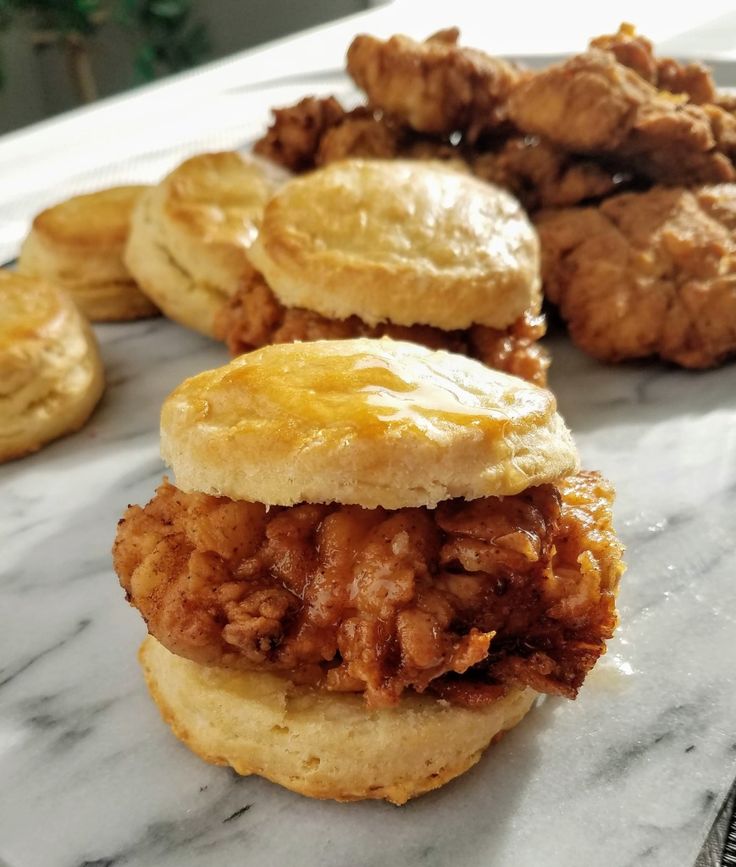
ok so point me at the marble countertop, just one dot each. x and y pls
(632, 773)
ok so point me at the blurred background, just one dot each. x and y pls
(57, 54)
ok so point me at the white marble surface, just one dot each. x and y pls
(630, 774)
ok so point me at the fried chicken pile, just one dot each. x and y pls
(254, 317)
(605, 132)
(482, 595)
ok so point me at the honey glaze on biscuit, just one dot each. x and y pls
(368, 392)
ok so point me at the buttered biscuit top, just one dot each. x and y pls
(401, 240)
(372, 422)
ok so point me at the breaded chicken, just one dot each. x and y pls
(647, 274)
(366, 137)
(295, 133)
(637, 52)
(435, 86)
(592, 104)
(542, 175)
(254, 317)
(467, 600)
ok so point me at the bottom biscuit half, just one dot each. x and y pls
(323, 745)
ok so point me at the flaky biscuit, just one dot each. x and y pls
(367, 422)
(324, 745)
(78, 244)
(51, 374)
(407, 241)
(189, 234)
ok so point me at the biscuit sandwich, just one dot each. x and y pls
(374, 558)
(78, 244)
(51, 374)
(414, 250)
(189, 234)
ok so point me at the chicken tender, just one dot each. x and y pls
(647, 274)
(637, 52)
(254, 317)
(434, 86)
(468, 599)
(592, 104)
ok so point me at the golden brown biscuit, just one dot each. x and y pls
(189, 234)
(400, 240)
(78, 244)
(324, 745)
(51, 375)
(299, 422)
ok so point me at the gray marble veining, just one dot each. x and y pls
(630, 774)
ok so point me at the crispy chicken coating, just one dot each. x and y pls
(541, 175)
(647, 274)
(594, 105)
(637, 52)
(367, 137)
(468, 599)
(295, 133)
(434, 86)
(316, 131)
(254, 317)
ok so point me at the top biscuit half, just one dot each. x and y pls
(365, 422)
(404, 241)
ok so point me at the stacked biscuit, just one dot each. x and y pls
(51, 375)
(78, 245)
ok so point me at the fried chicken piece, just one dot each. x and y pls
(293, 138)
(488, 594)
(254, 317)
(637, 52)
(434, 86)
(693, 79)
(647, 274)
(592, 104)
(541, 175)
(315, 132)
(370, 137)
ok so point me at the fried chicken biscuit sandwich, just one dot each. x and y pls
(413, 250)
(374, 558)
